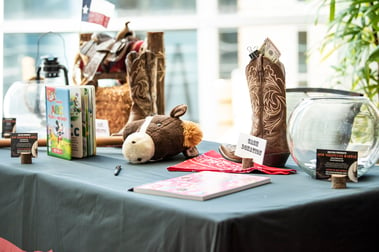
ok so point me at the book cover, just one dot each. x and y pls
(58, 122)
(202, 185)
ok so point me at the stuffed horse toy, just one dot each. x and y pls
(160, 136)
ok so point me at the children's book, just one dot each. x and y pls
(70, 121)
(76, 122)
(202, 185)
(85, 132)
(58, 122)
(88, 120)
(92, 119)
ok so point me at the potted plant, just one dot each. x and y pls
(353, 34)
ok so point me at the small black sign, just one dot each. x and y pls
(24, 143)
(337, 162)
(9, 127)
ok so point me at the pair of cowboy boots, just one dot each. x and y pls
(265, 76)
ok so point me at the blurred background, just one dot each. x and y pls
(206, 46)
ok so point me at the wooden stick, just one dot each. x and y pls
(100, 141)
(155, 44)
(109, 141)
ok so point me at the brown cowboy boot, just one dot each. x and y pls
(228, 152)
(141, 69)
(266, 82)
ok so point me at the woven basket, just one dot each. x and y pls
(113, 104)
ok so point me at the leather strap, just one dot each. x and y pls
(93, 65)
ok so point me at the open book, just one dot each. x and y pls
(202, 185)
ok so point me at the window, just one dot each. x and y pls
(36, 10)
(228, 48)
(302, 51)
(154, 7)
(204, 40)
(227, 6)
(24, 43)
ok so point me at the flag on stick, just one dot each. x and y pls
(97, 11)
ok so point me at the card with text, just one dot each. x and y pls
(9, 127)
(339, 162)
(251, 147)
(24, 143)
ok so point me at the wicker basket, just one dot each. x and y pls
(113, 104)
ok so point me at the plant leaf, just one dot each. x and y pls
(332, 10)
(374, 56)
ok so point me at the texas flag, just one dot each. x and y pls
(97, 11)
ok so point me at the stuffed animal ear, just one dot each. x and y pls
(178, 111)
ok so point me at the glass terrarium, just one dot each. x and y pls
(337, 123)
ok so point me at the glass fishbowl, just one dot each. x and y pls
(349, 123)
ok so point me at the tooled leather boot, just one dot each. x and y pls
(266, 83)
(141, 73)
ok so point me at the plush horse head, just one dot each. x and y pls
(161, 136)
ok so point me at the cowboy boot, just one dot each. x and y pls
(266, 82)
(228, 152)
(141, 73)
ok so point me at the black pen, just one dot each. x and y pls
(117, 170)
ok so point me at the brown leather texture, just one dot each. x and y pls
(142, 69)
(266, 83)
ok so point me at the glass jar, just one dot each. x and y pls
(346, 123)
(25, 101)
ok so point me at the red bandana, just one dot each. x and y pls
(213, 161)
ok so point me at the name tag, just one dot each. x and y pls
(251, 147)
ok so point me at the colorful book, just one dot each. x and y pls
(92, 119)
(202, 185)
(88, 120)
(70, 121)
(76, 122)
(58, 122)
(85, 132)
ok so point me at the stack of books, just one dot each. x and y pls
(70, 121)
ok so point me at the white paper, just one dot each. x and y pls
(251, 147)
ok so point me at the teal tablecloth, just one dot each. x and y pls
(81, 206)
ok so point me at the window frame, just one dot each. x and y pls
(207, 21)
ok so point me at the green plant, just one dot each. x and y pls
(353, 33)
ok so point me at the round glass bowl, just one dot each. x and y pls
(347, 123)
(25, 101)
